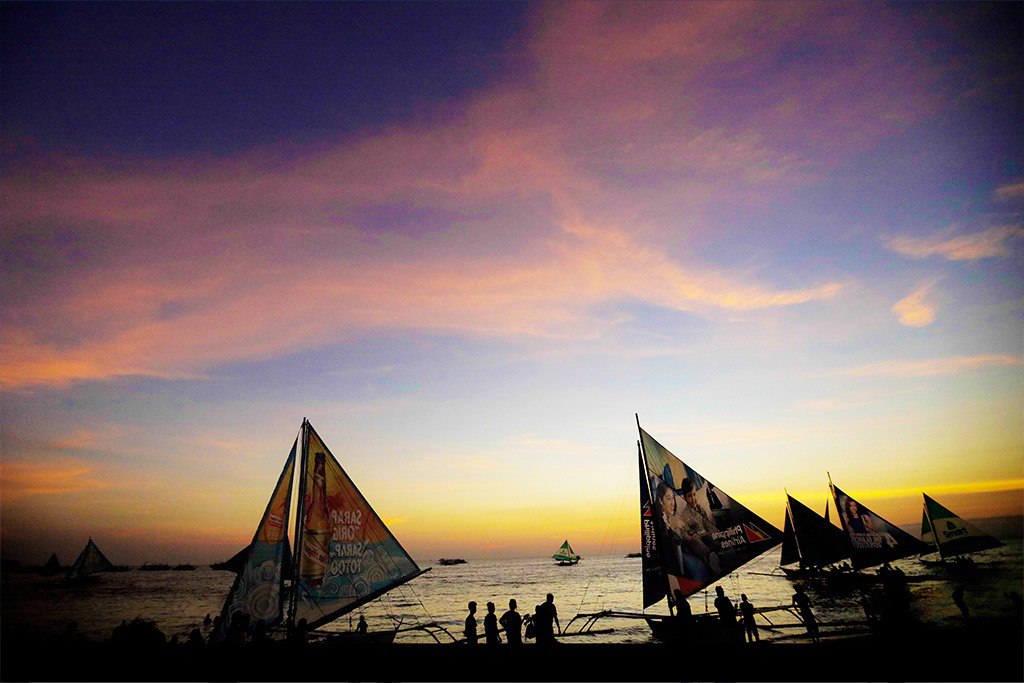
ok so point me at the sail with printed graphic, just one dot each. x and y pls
(653, 577)
(950, 534)
(565, 554)
(90, 561)
(347, 556)
(812, 541)
(258, 590)
(873, 540)
(703, 533)
(344, 555)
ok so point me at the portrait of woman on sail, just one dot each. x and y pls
(861, 525)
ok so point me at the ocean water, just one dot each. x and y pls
(178, 601)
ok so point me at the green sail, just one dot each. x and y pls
(951, 534)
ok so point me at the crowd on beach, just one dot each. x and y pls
(541, 625)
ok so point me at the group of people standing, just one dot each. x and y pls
(749, 631)
(540, 625)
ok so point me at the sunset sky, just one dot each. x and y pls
(470, 241)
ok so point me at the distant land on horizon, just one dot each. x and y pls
(1003, 527)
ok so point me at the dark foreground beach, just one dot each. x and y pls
(988, 650)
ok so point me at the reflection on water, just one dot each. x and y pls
(178, 601)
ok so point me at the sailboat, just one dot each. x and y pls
(566, 556)
(345, 556)
(90, 561)
(809, 541)
(951, 535)
(52, 566)
(693, 533)
(873, 539)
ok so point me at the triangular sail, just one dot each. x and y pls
(653, 576)
(347, 556)
(565, 553)
(90, 561)
(874, 540)
(951, 534)
(826, 512)
(704, 534)
(790, 551)
(819, 543)
(52, 565)
(258, 590)
(927, 535)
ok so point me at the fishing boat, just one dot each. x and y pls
(873, 540)
(90, 561)
(692, 534)
(449, 561)
(566, 556)
(810, 543)
(345, 556)
(952, 537)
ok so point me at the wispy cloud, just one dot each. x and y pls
(985, 244)
(19, 479)
(913, 311)
(1010, 191)
(933, 366)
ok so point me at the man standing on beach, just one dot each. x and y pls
(749, 625)
(470, 629)
(491, 626)
(512, 622)
(545, 614)
(803, 604)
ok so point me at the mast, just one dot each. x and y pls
(300, 514)
(935, 535)
(796, 534)
(643, 459)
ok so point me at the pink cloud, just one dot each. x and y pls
(913, 310)
(628, 111)
(972, 247)
(933, 366)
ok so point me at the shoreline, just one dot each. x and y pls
(985, 649)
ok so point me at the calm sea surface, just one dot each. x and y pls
(178, 601)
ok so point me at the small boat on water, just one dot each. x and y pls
(952, 537)
(185, 568)
(155, 568)
(566, 556)
(52, 566)
(345, 556)
(90, 561)
(448, 561)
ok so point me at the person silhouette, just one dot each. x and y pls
(749, 625)
(803, 604)
(491, 626)
(207, 620)
(544, 615)
(958, 599)
(469, 630)
(512, 622)
(361, 626)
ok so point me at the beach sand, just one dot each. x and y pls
(984, 650)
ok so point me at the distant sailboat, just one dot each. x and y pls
(90, 561)
(809, 541)
(345, 556)
(873, 540)
(565, 555)
(52, 566)
(950, 535)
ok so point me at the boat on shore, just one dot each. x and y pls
(345, 556)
